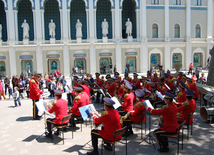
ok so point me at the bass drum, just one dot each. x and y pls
(206, 114)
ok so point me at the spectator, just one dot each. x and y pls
(13, 81)
(194, 77)
(128, 66)
(7, 84)
(27, 88)
(208, 62)
(16, 97)
(110, 67)
(2, 90)
(197, 72)
(202, 79)
(20, 88)
(104, 69)
(28, 72)
(64, 83)
(190, 68)
(126, 70)
(115, 69)
(101, 68)
(22, 75)
(10, 91)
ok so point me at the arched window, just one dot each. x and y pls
(177, 2)
(198, 2)
(177, 31)
(155, 1)
(154, 31)
(197, 31)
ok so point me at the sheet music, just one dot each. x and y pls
(148, 103)
(41, 106)
(85, 111)
(160, 95)
(117, 103)
(146, 90)
(91, 108)
(64, 96)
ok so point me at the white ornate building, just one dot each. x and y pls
(164, 31)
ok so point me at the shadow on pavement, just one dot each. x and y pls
(30, 138)
(74, 148)
(24, 118)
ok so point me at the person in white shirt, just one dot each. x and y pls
(16, 97)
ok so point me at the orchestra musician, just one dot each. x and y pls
(192, 86)
(181, 97)
(146, 85)
(126, 78)
(60, 108)
(136, 115)
(111, 86)
(187, 108)
(117, 75)
(179, 78)
(136, 81)
(111, 122)
(35, 93)
(79, 101)
(129, 98)
(119, 92)
(100, 84)
(86, 90)
(168, 82)
(170, 126)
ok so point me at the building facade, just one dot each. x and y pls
(163, 32)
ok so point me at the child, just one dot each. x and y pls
(16, 97)
(10, 92)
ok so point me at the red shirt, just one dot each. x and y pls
(60, 109)
(187, 108)
(139, 109)
(35, 92)
(169, 113)
(128, 102)
(111, 123)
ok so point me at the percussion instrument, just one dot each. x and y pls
(206, 114)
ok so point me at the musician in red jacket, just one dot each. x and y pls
(170, 126)
(136, 81)
(129, 97)
(79, 101)
(119, 89)
(192, 86)
(136, 115)
(187, 108)
(146, 85)
(35, 93)
(111, 86)
(181, 95)
(100, 84)
(60, 108)
(111, 122)
(126, 78)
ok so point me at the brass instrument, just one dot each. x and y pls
(206, 114)
(161, 122)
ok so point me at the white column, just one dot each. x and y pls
(91, 21)
(61, 24)
(117, 20)
(12, 59)
(113, 25)
(66, 61)
(34, 24)
(69, 23)
(38, 22)
(43, 25)
(188, 55)
(167, 64)
(120, 24)
(95, 23)
(64, 20)
(16, 24)
(209, 20)
(144, 59)
(143, 21)
(92, 60)
(39, 60)
(188, 19)
(167, 20)
(118, 58)
(138, 23)
(11, 30)
(87, 20)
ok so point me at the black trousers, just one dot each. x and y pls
(50, 124)
(162, 140)
(94, 138)
(35, 110)
(70, 99)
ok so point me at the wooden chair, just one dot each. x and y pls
(116, 133)
(188, 125)
(141, 124)
(176, 136)
(65, 118)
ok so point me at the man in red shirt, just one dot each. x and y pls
(170, 126)
(60, 108)
(35, 93)
(111, 122)
(190, 68)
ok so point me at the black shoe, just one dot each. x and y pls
(164, 150)
(108, 147)
(56, 133)
(93, 153)
(49, 135)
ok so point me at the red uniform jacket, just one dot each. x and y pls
(193, 87)
(170, 84)
(60, 109)
(111, 88)
(35, 92)
(128, 79)
(187, 108)
(99, 82)
(181, 97)
(169, 113)
(178, 80)
(79, 101)
(147, 85)
(136, 82)
(119, 91)
(128, 102)
(86, 90)
(111, 123)
(85, 96)
(138, 112)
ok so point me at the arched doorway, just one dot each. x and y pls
(51, 8)
(25, 12)
(103, 12)
(3, 21)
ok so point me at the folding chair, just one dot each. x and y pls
(141, 124)
(188, 125)
(176, 136)
(116, 133)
